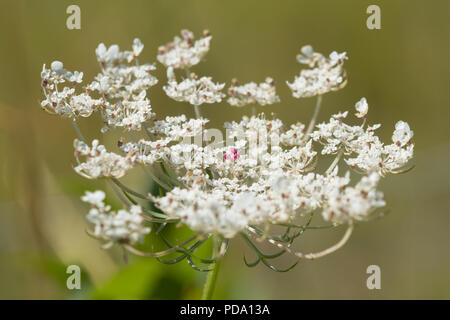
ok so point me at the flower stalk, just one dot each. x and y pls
(211, 277)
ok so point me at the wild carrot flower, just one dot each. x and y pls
(261, 176)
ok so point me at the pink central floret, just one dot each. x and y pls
(233, 155)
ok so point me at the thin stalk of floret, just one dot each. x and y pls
(156, 179)
(164, 172)
(78, 131)
(123, 199)
(198, 112)
(197, 108)
(328, 226)
(153, 177)
(334, 163)
(158, 220)
(309, 167)
(314, 118)
(128, 199)
(402, 171)
(364, 122)
(147, 130)
(130, 191)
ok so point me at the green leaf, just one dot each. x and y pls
(54, 268)
(135, 281)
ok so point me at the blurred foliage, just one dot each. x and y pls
(57, 271)
(403, 70)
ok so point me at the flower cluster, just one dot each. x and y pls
(119, 92)
(183, 53)
(123, 226)
(372, 155)
(64, 102)
(327, 74)
(252, 93)
(263, 172)
(193, 90)
(99, 162)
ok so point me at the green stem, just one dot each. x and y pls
(211, 280)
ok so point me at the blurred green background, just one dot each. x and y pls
(403, 70)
